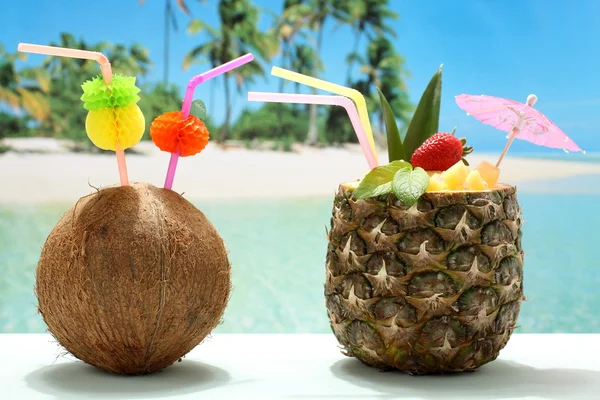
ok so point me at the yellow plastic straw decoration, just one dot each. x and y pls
(114, 121)
(355, 95)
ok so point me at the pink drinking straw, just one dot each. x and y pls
(187, 102)
(106, 75)
(331, 100)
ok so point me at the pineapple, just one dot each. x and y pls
(455, 176)
(418, 280)
(474, 181)
(431, 288)
(489, 173)
(436, 183)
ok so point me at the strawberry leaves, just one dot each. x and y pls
(397, 177)
(466, 150)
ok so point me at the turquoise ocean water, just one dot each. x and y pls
(277, 249)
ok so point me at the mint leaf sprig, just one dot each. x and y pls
(398, 177)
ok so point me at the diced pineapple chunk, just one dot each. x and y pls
(489, 173)
(351, 185)
(432, 173)
(474, 181)
(436, 183)
(455, 175)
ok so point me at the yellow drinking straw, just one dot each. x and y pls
(355, 95)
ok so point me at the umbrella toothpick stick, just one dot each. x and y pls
(531, 100)
(511, 138)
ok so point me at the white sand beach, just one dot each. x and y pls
(42, 170)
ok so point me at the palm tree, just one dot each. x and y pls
(293, 18)
(288, 26)
(321, 10)
(23, 89)
(237, 35)
(305, 61)
(129, 61)
(367, 17)
(170, 21)
(384, 68)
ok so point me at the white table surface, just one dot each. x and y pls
(302, 367)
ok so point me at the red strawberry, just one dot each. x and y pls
(440, 152)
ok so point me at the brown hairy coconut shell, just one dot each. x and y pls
(132, 278)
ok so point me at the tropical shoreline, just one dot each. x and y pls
(41, 170)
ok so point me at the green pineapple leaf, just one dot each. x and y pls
(409, 184)
(379, 180)
(198, 109)
(425, 120)
(394, 141)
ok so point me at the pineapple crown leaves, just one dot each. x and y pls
(399, 177)
(423, 124)
(121, 92)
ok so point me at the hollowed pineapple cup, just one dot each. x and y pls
(432, 288)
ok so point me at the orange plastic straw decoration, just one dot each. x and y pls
(106, 76)
(173, 133)
(176, 152)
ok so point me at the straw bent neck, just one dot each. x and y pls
(107, 77)
(355, 95)
(210, 74)
(106, 68)
(195, 81)
(189, 94)
(100, 58)
(297, 98)
(187, 103)
(314, 82)
(341, 101)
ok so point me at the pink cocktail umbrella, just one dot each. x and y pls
(521, 120)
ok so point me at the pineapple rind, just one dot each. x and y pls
(431, 288)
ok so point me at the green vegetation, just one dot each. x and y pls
(44, 100)
(273, 122)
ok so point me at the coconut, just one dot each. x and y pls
(132, 278)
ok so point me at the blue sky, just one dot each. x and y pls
(506, 48)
